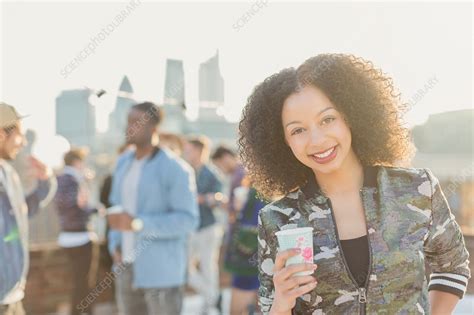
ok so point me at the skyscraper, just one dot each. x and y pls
(75, 117)
(211, 83)
(118, 117)
(210, 120)
(174, 83)
(174, 104)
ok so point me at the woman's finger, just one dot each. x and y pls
(287, 272)
(302, 290)
(282, 256)
(295, 282)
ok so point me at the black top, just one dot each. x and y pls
(356, 253)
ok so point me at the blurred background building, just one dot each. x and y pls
(75, 117)
(445, 145)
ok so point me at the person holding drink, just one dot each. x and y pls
(329, 137)
(154, 209)
(16, 209)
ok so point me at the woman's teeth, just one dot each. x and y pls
(325, 154)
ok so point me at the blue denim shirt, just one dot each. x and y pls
(207, 182)
(167, 204)
(12, 253)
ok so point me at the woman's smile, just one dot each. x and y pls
(325, 157)
(316, 131)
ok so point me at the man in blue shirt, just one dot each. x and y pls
(205, 243)
(14, 212)
(155, 191)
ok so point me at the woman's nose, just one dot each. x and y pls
(317, 136)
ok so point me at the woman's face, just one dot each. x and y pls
(315, 131)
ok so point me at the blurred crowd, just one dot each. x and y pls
(174, 205)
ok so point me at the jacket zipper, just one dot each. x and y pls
(362, 291)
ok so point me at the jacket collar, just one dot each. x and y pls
(312, 188)
(151, 156)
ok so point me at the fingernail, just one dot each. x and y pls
(297, 250)
(315, 267)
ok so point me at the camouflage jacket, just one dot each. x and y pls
(408, 221)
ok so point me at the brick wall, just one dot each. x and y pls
(49, 283)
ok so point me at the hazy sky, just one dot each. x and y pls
(424, 45)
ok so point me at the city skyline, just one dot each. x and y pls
(77, 122)
(408, 43)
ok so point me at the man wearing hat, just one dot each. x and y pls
(15, 209)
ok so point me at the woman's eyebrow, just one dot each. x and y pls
(292, 122)
(327, 108)
(297, 121)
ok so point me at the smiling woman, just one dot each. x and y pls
(330, 138)
(358, 100)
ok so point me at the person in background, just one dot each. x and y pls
(172, 141)
(206, 241)
(226, 160)
(155, 192)
(104, 194)
(74, 210)
(15, 210)
(107, 182)
(241, 255)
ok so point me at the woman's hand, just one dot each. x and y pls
(287, 285)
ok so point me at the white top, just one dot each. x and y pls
(75, 239)
(129, 203)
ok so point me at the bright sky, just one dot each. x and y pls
(422, 46)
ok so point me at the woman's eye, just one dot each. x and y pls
(328, 120)
(297, 131)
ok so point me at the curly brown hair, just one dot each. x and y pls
(363, 94)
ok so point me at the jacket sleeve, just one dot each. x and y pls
(114, 237)
(444, 246)
(267, 249)
(41, 196)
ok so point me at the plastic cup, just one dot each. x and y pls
(301, 238)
